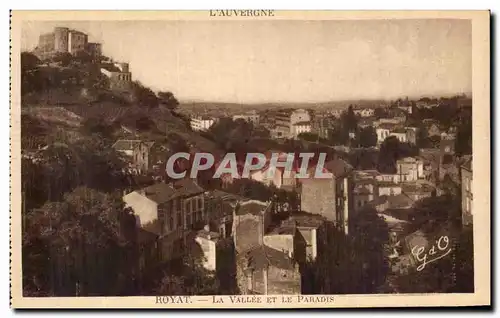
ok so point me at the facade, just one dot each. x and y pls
(410, 169)
(251, 117)
(146, 155)
(260, 268)
(411, 135)
(120, 79)
(365, 112)
(466, 177)
(170, 211)
(400, 134)
(301, 127)
(388, 188)
(383, 131)
(126, 146)
(201, 123)
(285, 122)
(318, 194)
(209, 243)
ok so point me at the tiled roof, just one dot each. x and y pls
(263, 256)
(338, 167)
(252, 207)
(162, 192)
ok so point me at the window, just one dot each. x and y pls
(170, 223)
(200, 203)
(179, 220)
(467, 184)
(188, 206)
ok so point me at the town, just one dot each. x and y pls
(101, 215)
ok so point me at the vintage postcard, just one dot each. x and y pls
(250, 159)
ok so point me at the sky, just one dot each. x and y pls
(286, 61)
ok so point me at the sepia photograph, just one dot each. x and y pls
(248, 158)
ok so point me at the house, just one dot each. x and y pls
(209, 245)
(388, 188)
(264, 270)
(410, 169)
(148, 155)
(365, 112)
(397, 206)
(312, 229)
(261, 269)
(126, 146)
(364, 192)
(432, 128)
(120, 78)
(467, 194)
(397, 120)
(251, 117)
(332, 197)
(219, 208)
(285, 122)
(169, 211)
(399, 133)
(202, 123)
(418, 190)
(301, 127)
(383, 131)
(411, 135)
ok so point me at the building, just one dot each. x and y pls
(148, 155)
(260, 268)
(410, 169)
(252, 117)
(399, 133)
(301, 127)
(388, 188)
(397, 120)
(383, 131)
(411, 135)
(467, 194)
(365, 112)
(126, 146)
(119, 76)
(65, 40)
(285, 121)
(94, 49)
(210, 246)
(419, 190)
(330, 198)
(219, 208)
(170, 211)
(201, 123)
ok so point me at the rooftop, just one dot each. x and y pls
(263, 256)
(162, 192)
(125, 144)
(254, 207)
(468, 164)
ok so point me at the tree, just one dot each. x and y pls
(388, 155)
(354, 264)
(168, 100)
(144, 96)
(380, 112)
(82, 246)
(463, 141)
(307, 136)
(63, 58)
(99, 126)
(368, 137)
(31, 79)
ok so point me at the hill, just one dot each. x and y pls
(64, 98)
